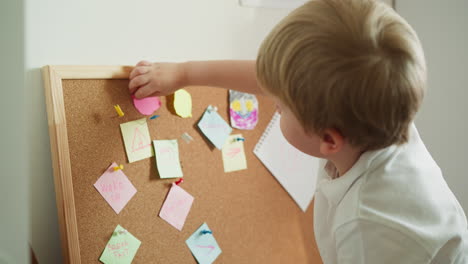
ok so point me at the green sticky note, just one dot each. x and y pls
(137, 140)
(233, 154)
(121, 248)
(167, 158)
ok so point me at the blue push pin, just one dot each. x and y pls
(204, 232)
(154, 117)
(239, 139)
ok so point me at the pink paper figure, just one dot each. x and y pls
(176, 207)
(147, 105)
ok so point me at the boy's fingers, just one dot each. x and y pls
(143, 63)
(133, 73)
(132, 90)
(138, 81)
(144, 91)
(138, 71)
(154, 94)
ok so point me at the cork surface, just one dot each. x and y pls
(252, 217)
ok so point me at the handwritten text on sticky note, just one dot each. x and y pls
(203, 246)
(214, 127)
(121, 248)
(115, 187)
(176, 207)
(233, 154)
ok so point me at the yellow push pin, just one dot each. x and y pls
(119, 110)
(120, 167)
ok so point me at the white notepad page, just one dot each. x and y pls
(295, 171)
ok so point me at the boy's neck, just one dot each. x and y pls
(345, 160)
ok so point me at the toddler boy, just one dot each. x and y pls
(348, 77)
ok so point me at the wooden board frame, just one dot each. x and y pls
(63, 93)
(53, 76)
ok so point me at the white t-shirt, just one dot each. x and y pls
(392, 206)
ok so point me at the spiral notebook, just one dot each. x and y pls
(294, 170)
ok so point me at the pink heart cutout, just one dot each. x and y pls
(147, 105)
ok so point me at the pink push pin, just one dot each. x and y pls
(179, 181)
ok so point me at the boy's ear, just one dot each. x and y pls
(331, 142)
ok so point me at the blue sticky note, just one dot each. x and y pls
(214, 127)
(203, 245)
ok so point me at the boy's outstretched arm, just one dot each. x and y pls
(165, 78)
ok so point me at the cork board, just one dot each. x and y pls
(252, 217)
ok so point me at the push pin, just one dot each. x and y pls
(212, 109)
(120, 232)
(119, 110)
(204, 232)
(154, 117)
(185, 136)
(120, 167)
(179, 181)
(238, 139)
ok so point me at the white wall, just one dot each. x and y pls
(443, 121)
(14, 214)
(120, 32)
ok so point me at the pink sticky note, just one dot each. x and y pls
(147, 105)
(115, 187)
(176, 207)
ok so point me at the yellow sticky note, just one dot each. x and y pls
(183, 103)
(233, 154)
(137, 140)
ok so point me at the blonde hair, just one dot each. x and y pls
(351, 65)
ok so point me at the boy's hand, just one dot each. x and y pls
(156, 79)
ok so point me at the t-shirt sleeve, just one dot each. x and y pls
(368, 242)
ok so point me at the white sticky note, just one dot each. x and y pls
(167, 158)
(214, 127)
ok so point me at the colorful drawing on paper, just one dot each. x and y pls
(183, 103)
(115, 188)
(233, 154)
(147, 105)
(137, 140)
(204, 247)
(167, 158)
(176, 207)
(213, 126)
(243, 109)
(121, 248)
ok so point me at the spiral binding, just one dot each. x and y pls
(274, 119)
